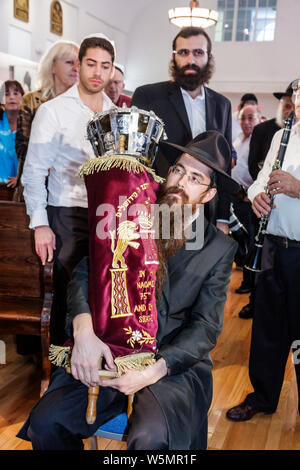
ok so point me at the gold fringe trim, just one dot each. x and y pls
(124, 162)
(134, 362)
(60, 355)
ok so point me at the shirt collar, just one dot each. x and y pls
(107, 102)
(74, 93)
(199, 97)
(296, 128)
(241, 138)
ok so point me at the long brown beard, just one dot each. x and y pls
(167, 247)
(190, 82)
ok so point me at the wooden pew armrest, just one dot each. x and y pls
(48, 294)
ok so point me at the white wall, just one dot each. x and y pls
(80, 18)
(266, 101)
(143, 38)
(240, 67)
(264, 65)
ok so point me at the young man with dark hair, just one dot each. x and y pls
(58, 145)
(188, 107)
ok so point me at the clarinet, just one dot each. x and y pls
(254, 261)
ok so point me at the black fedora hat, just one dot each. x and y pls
(211, 149)
(287, 92)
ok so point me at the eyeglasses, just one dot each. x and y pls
(186, 52)
(192, 179)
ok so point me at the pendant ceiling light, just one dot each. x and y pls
(193, 16)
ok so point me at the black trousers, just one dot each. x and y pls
(57, 422)
(246, 216)
(276, 324)
(70, 225)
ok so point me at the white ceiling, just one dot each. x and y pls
(118, 13)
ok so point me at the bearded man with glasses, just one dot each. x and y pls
(172, 396)
(188, 107)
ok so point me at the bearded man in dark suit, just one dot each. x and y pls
(188, 107)
(172, 396)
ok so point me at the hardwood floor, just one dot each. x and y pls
(20, 382)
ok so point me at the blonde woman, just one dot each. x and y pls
(58, 71)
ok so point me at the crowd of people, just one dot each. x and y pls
(211, 157)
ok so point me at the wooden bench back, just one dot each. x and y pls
(6, 193)
(21, 272)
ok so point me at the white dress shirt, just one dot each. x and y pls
(240, 172)
(58, 146)
(284, 220)
(236, 127)
(195, 108)
(196, 111)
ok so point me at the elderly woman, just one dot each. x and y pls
(8, 125)
(58, 71)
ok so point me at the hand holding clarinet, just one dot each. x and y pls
(280, 182)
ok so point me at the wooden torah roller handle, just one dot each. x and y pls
(93, 393)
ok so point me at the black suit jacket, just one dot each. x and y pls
(260, 142)
(165, 99)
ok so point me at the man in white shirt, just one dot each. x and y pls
(276, 321)
(248, 118)
(58, 148)
(247, 98)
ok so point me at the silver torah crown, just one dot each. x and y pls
(126, 131)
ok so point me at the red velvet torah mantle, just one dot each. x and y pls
(123, 256)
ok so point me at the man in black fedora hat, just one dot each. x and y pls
(173, 396)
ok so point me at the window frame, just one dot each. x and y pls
(254, 33)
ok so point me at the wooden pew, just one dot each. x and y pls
(25, 284)
(6, 193)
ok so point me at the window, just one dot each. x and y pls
(224, 26)
(265, 20)
(246, 20)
